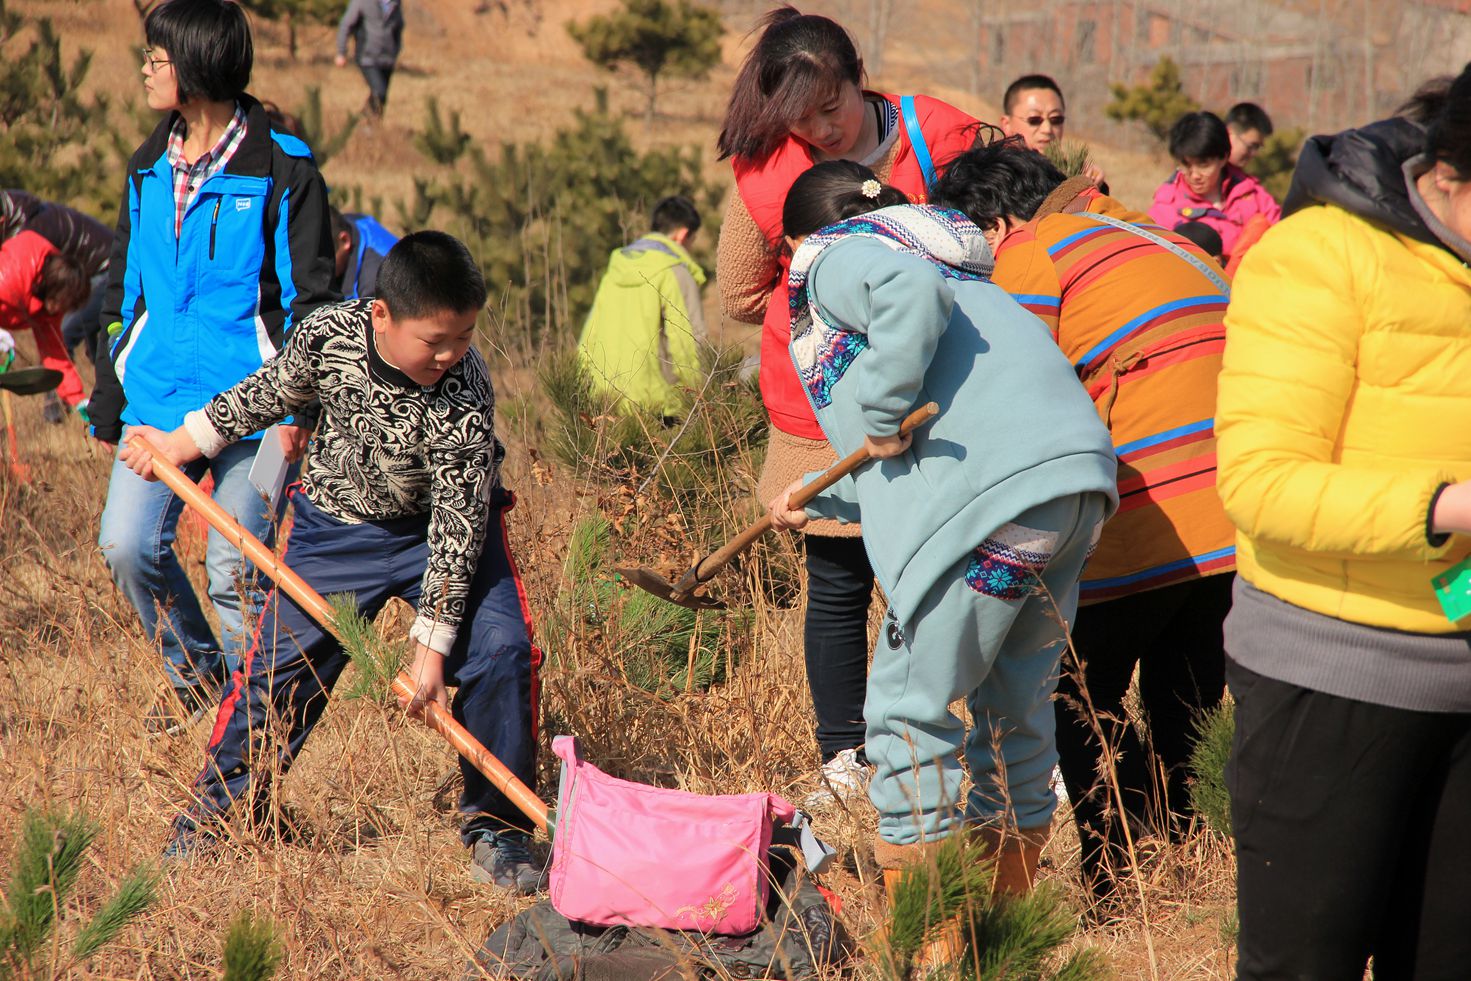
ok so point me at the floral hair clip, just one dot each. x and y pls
(870, 188)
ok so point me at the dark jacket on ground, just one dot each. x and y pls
(80, 236)
(188, 317)
(378, 32)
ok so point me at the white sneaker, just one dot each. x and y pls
(843, 777)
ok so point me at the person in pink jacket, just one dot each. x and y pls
(1207, 188)
(38, 286)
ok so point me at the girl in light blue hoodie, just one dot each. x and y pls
(977, 526)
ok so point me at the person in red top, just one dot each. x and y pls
(38, 286)
(799, 100)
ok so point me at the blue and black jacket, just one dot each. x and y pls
(189, 317)
(370, 245)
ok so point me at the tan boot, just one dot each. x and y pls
(1017, 851)
(896, 861)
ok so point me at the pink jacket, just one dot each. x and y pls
(1243, 197)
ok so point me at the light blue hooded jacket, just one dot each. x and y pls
(892, 310)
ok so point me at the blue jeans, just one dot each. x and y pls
(139, 522)
(274, 701)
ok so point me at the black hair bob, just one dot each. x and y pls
(1199, 136)
(208, 42)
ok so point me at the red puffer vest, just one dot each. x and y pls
(763, 187)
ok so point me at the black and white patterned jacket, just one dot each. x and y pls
(386, 446)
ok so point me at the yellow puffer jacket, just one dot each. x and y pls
(1344, 402)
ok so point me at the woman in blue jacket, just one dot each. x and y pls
(223, 242)
(977, 526)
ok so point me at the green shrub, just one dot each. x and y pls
(1274, 163)
(690, 463)
(55, 142)
(48, 861)
(1208, 795)
(252, 949)
(1015, 938)
(1157, 103)
(655, 645)
(658, 37)
(542, 218)
(1068, 156)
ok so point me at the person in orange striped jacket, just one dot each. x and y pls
(1138, 310)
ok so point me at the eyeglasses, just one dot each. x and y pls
(1056, 119)
(154, 64)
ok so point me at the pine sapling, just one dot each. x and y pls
(1209, 797)
(48, 860)
(252, 949)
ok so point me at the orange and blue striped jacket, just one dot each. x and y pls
(1144, 330)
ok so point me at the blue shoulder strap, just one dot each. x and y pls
(916, 140)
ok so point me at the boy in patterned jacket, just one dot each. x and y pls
(400, 497)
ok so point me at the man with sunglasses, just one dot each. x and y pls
(1033, 109)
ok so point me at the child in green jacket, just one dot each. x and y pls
(643, 335)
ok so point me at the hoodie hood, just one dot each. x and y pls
(1362, 172)
(633, 264)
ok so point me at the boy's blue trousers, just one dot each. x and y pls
(274, 700)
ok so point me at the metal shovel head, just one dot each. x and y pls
(30, 381)
(651, 582)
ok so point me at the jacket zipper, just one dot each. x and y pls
(214, 223)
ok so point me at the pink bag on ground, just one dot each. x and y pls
(627, 854)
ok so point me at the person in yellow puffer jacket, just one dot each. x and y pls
(641, 342)
(1343, 423)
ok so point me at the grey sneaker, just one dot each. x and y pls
(504, 859)
(176, 709)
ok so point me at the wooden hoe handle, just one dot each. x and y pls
(320, 610)
(715, 561)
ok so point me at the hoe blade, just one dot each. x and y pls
(30, 381)
(651, 582)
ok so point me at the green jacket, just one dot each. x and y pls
(642, 336)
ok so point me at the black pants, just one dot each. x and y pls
(835, 636)
(377, 79)
(1353, 835)
(1173, 635)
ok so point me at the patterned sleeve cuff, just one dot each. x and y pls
(204, 434)
(438, 636)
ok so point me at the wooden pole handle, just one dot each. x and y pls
(320, 610)
(715, 561)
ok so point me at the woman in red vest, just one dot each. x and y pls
(799, 100)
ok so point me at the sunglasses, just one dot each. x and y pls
(1057, 119)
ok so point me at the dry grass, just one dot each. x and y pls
(370, 881)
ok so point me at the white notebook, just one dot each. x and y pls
(268, 472)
